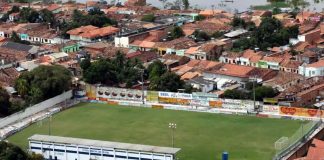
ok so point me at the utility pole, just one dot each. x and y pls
(142, 74)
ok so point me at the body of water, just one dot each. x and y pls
(230, 5)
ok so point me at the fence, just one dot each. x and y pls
(35, 109)
(286, 145)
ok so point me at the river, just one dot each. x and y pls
(240, 5)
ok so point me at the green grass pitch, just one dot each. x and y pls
(201, 136)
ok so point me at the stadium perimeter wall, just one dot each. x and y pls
(35, 109)
(198, 100)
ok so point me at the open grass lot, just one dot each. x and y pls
(202, 136)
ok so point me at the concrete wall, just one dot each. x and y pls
(35, 109)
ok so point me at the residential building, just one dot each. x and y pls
(313, 69)
(310, 37)
(91, 33)
(270, 62)
(8, 76)
(283, 80)
(176, 46)
(237, 73)
(303, 94)
(194, 66)
(204, 85)
(54, 8)
(143, 56)
(290, 66)
(308, 57)
(208, 51)
(9, 56)
(172, 60)
(250, 58)
(13, 17)
(105, 50)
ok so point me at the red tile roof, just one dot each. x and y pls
(317, 64)
(233, 70)
(53, 7)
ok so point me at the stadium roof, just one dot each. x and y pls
(105, 144)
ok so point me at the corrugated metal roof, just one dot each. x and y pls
(106, 144)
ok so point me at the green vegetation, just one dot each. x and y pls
(4, 102)
(186, 4)
(12, 152)
(163, 80)
(201, 136)
(112, 72)
(42, 83)
(177, 32)
(260, 92)
(148, 18)
(9, 106)
(270, 33)
(238, 22)
(200, 18)
(201, 36)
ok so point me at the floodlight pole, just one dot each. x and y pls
(172, 126)
(253, 93)
(49, 123)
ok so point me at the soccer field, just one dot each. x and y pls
(201, 136)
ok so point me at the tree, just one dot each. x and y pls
(85, 64)
(264, 92)
(4, 102)
(169, 81)
(201, 36)
(200, 18)
(43, 82)
(148, 18)
(95, 11)
(186, 4)
(217, 34)
(235, 94)
(238, 22)
(22, 86)
(177, 32)
(101, 71)
(11, 152)
(47, 17)
(34, 156)
(276, 10)
(156, 69)
(296, 4)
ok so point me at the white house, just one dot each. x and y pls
(313, 69)
(122, 42)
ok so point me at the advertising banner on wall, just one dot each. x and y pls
(305, 112)
(238, 104)
(270, 108)
(91, 92)
(216, 103)
(118, 93)
(152, 96)
(175, 98)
